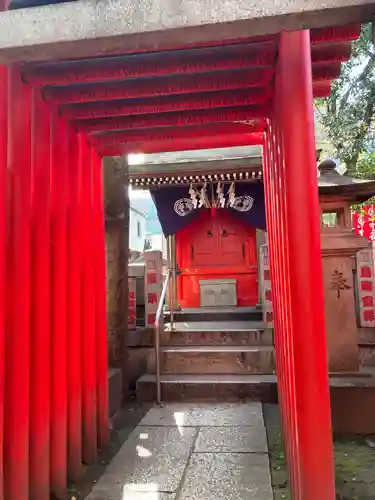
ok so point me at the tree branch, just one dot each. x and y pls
(367, 70)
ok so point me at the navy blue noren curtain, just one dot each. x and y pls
(175, 208)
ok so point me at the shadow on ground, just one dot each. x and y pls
(122, 425)
(354, 463)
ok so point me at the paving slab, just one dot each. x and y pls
(227, 476)
(232, 439)
(152, 460)
(130, 494)
(192, 452)
(211, 415)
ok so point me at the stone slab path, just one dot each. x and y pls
(192, 452)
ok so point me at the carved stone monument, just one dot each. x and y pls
(339, 246)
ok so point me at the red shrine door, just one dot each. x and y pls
(217, 247)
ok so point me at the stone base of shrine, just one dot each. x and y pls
(114, 391)
(353, 405)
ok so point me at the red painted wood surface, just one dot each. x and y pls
(173, 103)
(17, 356)
(75, 259)
(335, 33)
(182, 118)
(3, 245)
(229, 55)
(59, 294)
(40, 327)
(89, 397)
(177, 85)
(334, 52)
(323, 71)
(165, 104)
(258, 77)
(321, 89)
(217, 247)
(100, 299)
(209, 142)
(164, 134)
(295, 262)
(154, 64)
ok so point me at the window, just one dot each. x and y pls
(139, 229)
(330, 219)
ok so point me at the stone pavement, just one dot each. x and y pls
(192, 452)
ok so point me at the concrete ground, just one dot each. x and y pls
(190, 451)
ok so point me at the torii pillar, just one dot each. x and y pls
(293, 219)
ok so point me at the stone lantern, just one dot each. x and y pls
(339, 244)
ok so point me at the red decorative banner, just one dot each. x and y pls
(364, 222)
(153, 285)
(132, 313)
(366, 290)
(183, 118)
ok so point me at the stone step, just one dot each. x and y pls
(234, 333)
(209, 388)
(214, 359)
(219, 314)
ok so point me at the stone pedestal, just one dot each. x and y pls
(339, 248)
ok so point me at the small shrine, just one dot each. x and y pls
(215, 224)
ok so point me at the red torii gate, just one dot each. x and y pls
(56, 122)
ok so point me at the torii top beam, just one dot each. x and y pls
(85, 28)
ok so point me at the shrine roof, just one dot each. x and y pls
(198, 155)
(205, 96)
(331, 182)
(185, 167)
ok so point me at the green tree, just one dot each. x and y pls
(347, 115)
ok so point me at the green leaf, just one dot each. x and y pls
(346, 117)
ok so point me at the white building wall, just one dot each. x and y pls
(137, 230)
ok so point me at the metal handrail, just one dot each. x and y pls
(157, 335)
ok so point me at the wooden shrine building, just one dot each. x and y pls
(83, 80)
